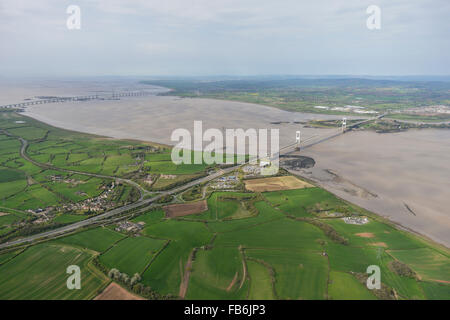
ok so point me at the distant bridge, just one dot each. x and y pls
(76, 98)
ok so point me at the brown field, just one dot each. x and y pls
(365, 235)
(116, 292)
(276, 184)
(3, 214)
(184, 209)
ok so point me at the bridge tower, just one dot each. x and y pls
(344, 124)
(298, 140)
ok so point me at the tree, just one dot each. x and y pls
(137, 288)
(114, 273)
(135, 279)
(125, 278)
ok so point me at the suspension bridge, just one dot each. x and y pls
(300, 144)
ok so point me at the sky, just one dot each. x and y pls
(226, 37)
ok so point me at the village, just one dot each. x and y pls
(98, 204)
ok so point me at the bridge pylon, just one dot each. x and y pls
(344, 124)
(297, 140)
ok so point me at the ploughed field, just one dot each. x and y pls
(290, 244)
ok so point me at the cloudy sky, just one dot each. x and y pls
(224, 37)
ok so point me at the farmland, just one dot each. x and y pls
(179, 210)
(98, 239)
(132, 254)
(40, 273)
(279, 238)
(274, 253)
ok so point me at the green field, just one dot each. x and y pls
(260, 282)
(428, 263)
(298, 274)
(436, 291)
(282, 234)
(218, 274)
(131, 255)
(7, 175)
(150, 217)
(69, 218)
(40, 273)
(308, 202)
(344, 286)
(165, 273)
(98, 239)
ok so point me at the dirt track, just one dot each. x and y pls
(116, 292)
(187, 274)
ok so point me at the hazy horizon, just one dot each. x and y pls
(209, 38)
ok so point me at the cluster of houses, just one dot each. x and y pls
(97, 204)
(435, 109)
(129, 227)
(348, 108)
(44, 215)
(228, 182)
